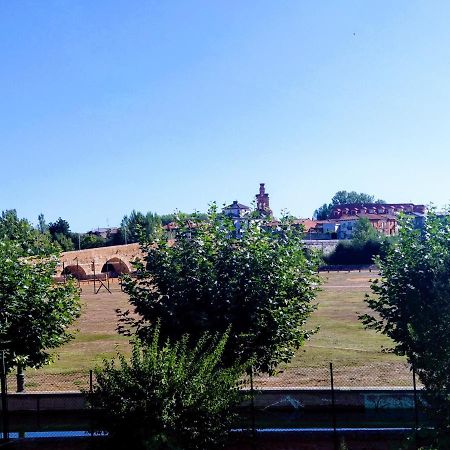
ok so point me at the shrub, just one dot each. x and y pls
(169, 396)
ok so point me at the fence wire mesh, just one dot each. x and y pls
(371, 375)
(41, 381)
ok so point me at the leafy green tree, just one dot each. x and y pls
(367, 243)
(168, 218)
(261, 285)
(61, 226)
(411, 302)
(343, 197)
(90, 240)
(34, 312)
(22, 232)
(169, 396)
(60, 232)
(137, 224)
(42, 224)
(364, 231)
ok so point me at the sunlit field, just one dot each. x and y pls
(357, 354)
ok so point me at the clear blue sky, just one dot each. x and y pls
(109, 105)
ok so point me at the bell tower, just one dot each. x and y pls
(262, 201)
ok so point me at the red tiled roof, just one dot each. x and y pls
(307, 223)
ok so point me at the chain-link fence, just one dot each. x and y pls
(387, 375)
(41, 381)
(391, 375)
(331, 400)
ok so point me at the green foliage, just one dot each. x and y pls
(137, 224)
(61, 226)
(169, 396)
(342, 197)
(366, 245)
(60, 233)
(34, 312)
(411, 302)
(168, 218)
(42, 224)
(89, 240)
(65, 242)
(364, 231)
(20, 231)
(354, 253)
(261, 285)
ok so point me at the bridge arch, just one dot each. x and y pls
(115, 267)
(75, 271)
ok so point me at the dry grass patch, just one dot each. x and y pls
(357, 354)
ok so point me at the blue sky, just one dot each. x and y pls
(114, 105)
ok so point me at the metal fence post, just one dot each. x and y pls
(416, 411)
(91, 383)
(252, 393)
(4, 387)
(333, 408)
(93, 268)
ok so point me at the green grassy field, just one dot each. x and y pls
(356, 353)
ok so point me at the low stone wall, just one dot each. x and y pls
(325, 246)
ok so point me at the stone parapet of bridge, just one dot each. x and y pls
(84, 264)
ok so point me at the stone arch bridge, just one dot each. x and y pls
(98, 262)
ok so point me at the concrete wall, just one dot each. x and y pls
(274, 399)
(326, 246)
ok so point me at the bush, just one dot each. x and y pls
(169, 396)
(349, 252)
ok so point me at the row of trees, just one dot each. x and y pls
(206, 310)
(211, 306)
(131, 228)
(136, 223)
(254, 294)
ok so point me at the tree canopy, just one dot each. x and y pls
(20, 231)
(60, 232)
(411, 302)
(34, 312)
(342, 197)
(261, 285)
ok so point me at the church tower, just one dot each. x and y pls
(262, 202)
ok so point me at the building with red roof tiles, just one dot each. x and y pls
(352, 209)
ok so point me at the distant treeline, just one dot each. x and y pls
(366, 244)
(131, 228)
